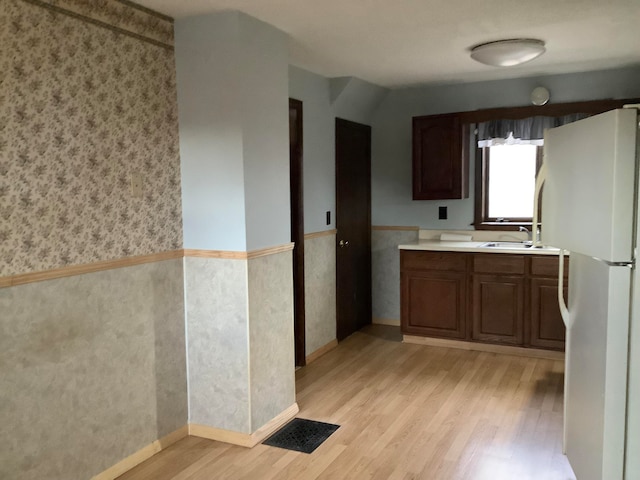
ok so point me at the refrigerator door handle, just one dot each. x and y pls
(564, 311)
(566, 318)
(540, 178)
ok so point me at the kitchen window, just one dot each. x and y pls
(508, 159)
(508, 173)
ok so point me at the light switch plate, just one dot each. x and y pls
(136, 185)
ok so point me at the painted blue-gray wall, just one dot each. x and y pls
(323, 100)
(354, 99)
(210, 132)
(232, 75)
(391, 157)
(265, 133)
(318, 147)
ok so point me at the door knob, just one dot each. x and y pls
(344, 243)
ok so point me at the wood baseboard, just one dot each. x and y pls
(484, 347)
(394, 322)
(321, 351)
(143, 454)
(244, 439)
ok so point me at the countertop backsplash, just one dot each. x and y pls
(478, 235)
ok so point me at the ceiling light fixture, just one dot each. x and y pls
(508, 53)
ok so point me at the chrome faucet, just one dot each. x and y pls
(529, 234)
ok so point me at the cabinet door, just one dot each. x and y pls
(440, 161)
(498, 309)
(547, 327)
(434, 304)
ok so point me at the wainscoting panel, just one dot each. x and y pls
(271, 352)
(320, 290)
(93, 369)
(218, 351)
(385, 265)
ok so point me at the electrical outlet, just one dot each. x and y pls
(442, 213)
(328, 218)
(136, 185)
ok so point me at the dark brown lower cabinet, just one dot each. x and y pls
(547, 327)
(433, 303)
(482, 297)
(498, 309)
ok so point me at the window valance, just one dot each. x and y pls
(521, 131)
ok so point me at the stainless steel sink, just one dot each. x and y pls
(515, 245)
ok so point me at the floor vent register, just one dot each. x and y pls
(301, 435)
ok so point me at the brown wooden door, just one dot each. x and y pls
(297, 227)
(353, 222)
(547, 327)
(434, 303)
(498, 309)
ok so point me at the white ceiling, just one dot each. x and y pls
(407, 42)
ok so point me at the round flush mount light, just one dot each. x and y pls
(508, 53)
(539, 96)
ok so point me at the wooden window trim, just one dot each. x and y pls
(549, 110)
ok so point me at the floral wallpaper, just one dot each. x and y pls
(118, 14)
(83, 108)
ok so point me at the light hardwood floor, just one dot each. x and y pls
(406, 412)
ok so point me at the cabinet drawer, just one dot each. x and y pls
(419, 260)
(547, 266)
(499, 263)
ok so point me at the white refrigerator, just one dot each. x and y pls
(590, 208)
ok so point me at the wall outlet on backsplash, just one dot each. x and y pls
(136, 185)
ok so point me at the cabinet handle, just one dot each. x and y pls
(344, 243)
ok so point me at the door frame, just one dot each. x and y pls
(297, 232)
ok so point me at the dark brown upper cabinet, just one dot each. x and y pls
(440, 158)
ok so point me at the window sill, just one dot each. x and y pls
(514, 226)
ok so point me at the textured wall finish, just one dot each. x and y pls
(83, 108)
(320, 291)
(92, 369)
(271, 352)
(385, 266)
(218, 343)
(240, 340)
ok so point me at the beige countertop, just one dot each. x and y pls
(445, 246)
